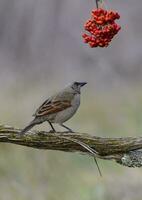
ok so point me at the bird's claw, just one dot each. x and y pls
(69, 131)
(52, 131)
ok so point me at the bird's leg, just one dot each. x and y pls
(67, 128)
(53, 129)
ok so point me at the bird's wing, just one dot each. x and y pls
(52, 107)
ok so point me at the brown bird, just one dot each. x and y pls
(58, 108)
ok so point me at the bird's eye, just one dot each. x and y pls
(76, 83)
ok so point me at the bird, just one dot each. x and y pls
(58, 108)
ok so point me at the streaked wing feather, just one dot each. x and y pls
(52, 107)
(45, 103)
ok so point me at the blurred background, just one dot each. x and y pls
(41, 51)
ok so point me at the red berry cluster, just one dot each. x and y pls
(102, 28)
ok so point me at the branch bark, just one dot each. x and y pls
(126, 151)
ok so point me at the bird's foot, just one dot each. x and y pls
(41, 133)
(69, 131)
(52, 131)
(44, 133)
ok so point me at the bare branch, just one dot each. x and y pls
(126, 151)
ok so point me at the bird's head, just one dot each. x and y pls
(76, 86)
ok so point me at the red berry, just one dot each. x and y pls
(102, 28)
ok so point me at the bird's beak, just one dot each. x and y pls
(83, 83)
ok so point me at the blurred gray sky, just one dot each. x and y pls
(40, 42)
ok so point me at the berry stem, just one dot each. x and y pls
(97, 4)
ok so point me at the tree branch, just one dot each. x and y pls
(126, 151)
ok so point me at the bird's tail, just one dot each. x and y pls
(27, 128)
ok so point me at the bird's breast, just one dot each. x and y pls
(66, 114)
(76, 101)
